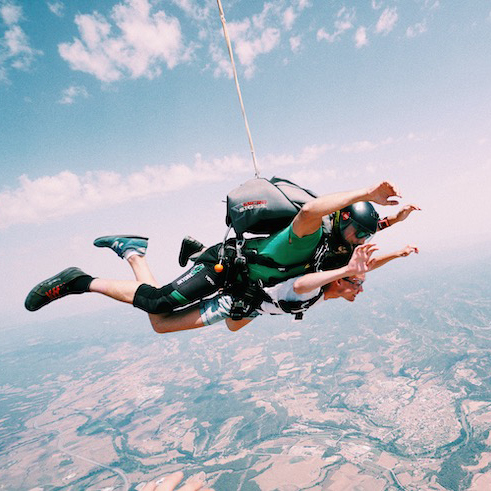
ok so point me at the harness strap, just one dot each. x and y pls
(295, 307)
(254, 258)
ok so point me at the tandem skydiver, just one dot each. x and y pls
(293, 296)
(287, 254)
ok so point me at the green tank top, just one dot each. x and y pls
(286, 249)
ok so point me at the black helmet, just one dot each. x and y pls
(362, 216)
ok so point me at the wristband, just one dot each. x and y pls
(384, 223)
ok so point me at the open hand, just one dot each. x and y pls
(381, 193)
(360, 260)
(405, 251)
(404, 212)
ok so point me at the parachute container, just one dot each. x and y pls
(262, 206)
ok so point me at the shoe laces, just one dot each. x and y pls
(54, 292)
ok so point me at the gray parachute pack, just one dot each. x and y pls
(265, 206)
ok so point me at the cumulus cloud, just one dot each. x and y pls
(221, 62)
(135, 41)
(258, 35)
(57, 8)
(194, 11)
(289, 17)
(416, 30)
(295, 43)
(361, 37)
(344, 22)
(255, 36)
(15, 49)
(65, 194)
(387, 20)
(248, 49)
(302, 4)
(49, 197)
(73, 92)
(11, 13)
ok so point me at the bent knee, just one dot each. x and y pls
(159, 325)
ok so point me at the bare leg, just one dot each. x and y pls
(142, 271)
(161, 323)
(122, 290)
(179, 321)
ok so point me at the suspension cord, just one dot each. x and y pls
(229, 46)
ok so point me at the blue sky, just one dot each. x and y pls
(122, 117)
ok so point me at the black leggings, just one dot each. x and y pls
(196, 283)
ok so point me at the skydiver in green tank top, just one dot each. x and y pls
(291, 246)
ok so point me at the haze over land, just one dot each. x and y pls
(391, 392)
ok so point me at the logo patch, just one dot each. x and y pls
(193, 272)
(253, 205)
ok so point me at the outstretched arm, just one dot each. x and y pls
(359, 264)
(376, 262)
(309, 218)
(401, 215)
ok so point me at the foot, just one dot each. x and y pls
(122, 243)
(53, 288)
(189, 247)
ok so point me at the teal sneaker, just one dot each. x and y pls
(122, 243)
(53, 288)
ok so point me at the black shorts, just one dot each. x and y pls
(196, 283)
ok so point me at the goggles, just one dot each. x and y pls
(356, 283)
(360, 231)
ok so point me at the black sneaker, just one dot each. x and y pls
(53, 288)
(189, 247)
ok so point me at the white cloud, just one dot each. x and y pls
(376, 5)
(270, 13)
(343, 23)
(11, 13)
(364, 146)
(66, 194)
(69, 95)
(289, 17)
(387, 20)
(361, 37)
(302, 4)
(253, 38)
(144, 41)
(192, 10)
(221, 61)
(295, 43)
(257, 35)
(15, 49)
(57, 8)
(416, 30)
(312, 153)
(323, 35)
